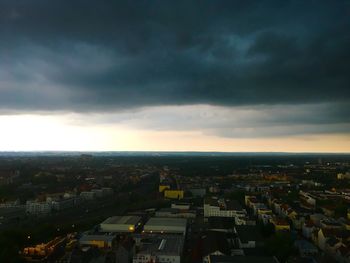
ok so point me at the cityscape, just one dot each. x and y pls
(168, 208)
(157, 131)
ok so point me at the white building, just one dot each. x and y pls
(162, 249)
(38, 208)
(224, 208)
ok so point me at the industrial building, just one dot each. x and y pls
(160, 249)
(120, 224)
(96, 240)
(174, 212)
(166, 225)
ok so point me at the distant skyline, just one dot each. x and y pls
(226, 76)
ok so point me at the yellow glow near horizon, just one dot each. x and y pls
(57, 133)
(35, 133)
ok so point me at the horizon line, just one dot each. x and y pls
(163, 151)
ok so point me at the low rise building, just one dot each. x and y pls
(224, 208)
(166, 225)
(174, 212)
(38, 208)
(162, 249)
(120, 224)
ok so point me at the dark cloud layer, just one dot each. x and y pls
(110, 55)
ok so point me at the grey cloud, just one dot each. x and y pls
(105, 56)
(247, 122)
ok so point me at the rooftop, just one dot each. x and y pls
(161, 221)
(122, 220)
(155, 245)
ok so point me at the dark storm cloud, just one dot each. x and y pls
(107, 55)
(240, 122)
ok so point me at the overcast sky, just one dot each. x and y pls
(175, 75)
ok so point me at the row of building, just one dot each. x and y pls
(64, 201)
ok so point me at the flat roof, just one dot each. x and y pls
(164, 245)
(166, 221)
(122, 220)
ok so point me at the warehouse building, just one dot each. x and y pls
(174, 212)
(166, 225)
(120, 224)
(160, 249)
